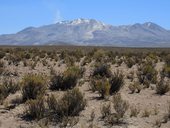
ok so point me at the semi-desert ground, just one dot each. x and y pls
(84, 87)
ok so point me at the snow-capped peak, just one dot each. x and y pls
(79, 21)
(82, 21)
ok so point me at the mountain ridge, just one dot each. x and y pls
(91, 32)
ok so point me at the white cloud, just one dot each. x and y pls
(58, 17)
(52, 6)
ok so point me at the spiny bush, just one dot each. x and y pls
(35, 109)
(101, 70)
(162, 87)
(8, 86)
(147, 72)
(102, 86)
(117, 82)
(120, 105)
(71, 104)
(33, 86)
(67, 80)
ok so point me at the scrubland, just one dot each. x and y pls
(84, 87)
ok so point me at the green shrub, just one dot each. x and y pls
(33, 86)
(147, 72)
(67, 80)
(71, 104)
(117, 82)
(103, 87)
(35, 109)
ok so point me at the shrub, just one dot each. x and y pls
(86, 60)
(166, 117)
(134, 87)
(71, 104)
(130, 62)
(157, 123)
(167, 59)
(7, 87)
(134, 111)
(33, 86)
(162, 87)
(146, 113)
(147, 72)
(99, 55)
(117, 82)
(105, 110)
(1, 64)
(120, 105)
(103, 87)
(92, 115)
(1, 67)
(67, 80)
(101, 70)
(35, 109)
(166, 71)
(2, 54)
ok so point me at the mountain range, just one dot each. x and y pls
(89, 32)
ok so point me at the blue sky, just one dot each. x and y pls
(18, 14)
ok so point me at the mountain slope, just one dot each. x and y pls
(91, 32)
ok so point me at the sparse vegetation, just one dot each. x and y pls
(50, 86)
